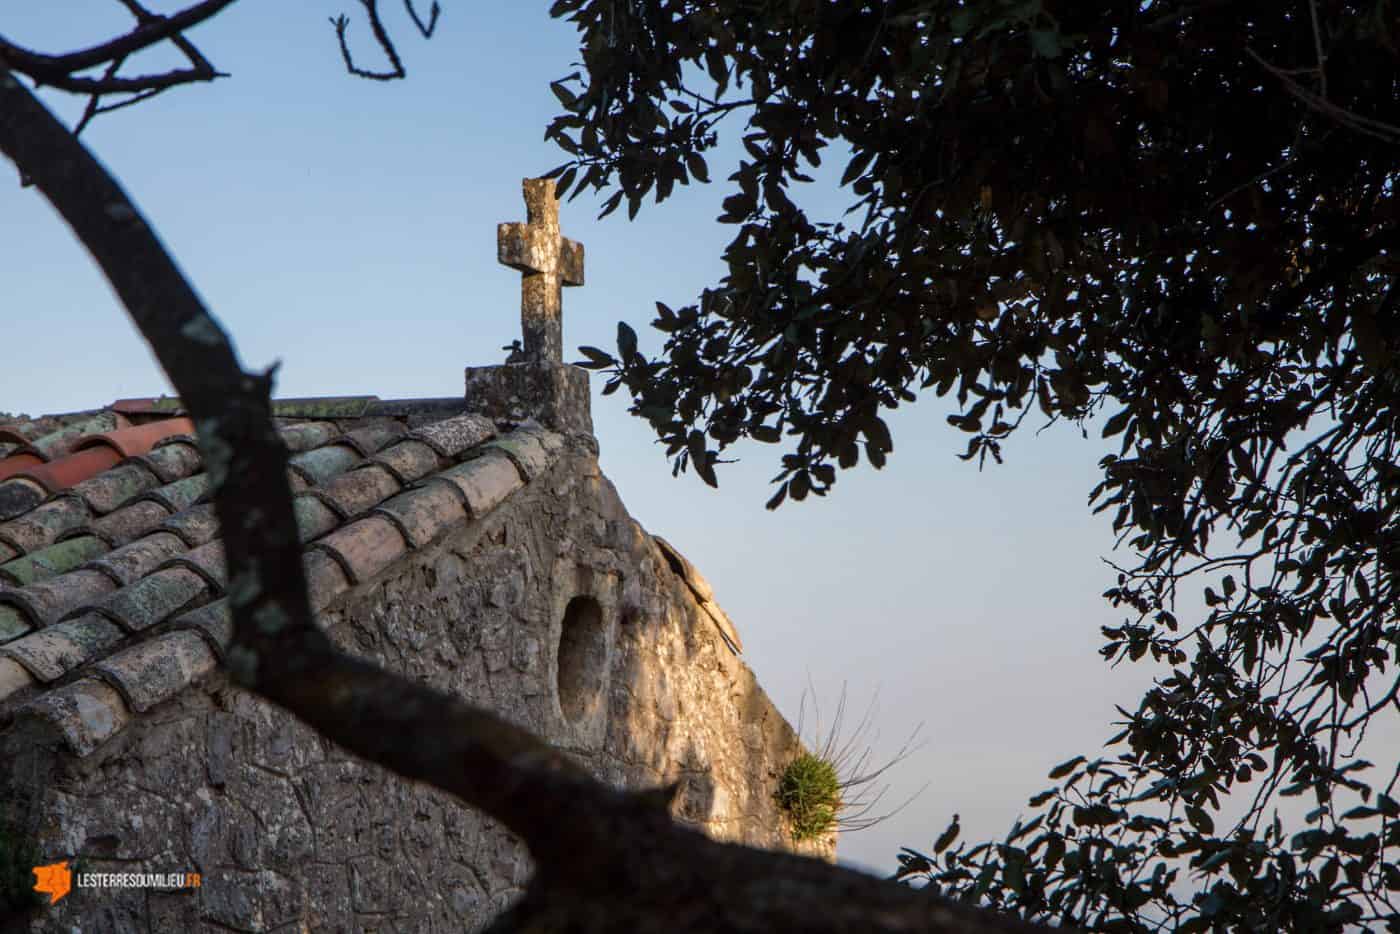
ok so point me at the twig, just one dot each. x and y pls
(376, 25)
(427, 31)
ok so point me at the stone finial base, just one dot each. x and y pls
(554, 394)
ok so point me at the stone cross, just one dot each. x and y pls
(548, 262)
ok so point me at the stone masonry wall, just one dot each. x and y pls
(557, 610)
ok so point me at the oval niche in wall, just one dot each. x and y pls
(583, 658)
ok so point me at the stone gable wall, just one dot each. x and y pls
(556, 609)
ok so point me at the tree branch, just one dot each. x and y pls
(58, 70)
(607, 860)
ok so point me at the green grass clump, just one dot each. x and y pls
(809, 792)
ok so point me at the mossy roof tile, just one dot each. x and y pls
(88, 648)
(156, 669)
(52, 652)
(117, 486)
(131, 522)
(52, 560)
(154, 599)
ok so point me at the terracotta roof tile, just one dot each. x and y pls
(484, 481)
(138, 439)
(364, 547)
(51, 653)
(7, 553)
(154, 670)
(51, 561)
(49, 601)
(131, 522)
(155, 598)
(18, 462)
(85, 713)
(72, 469)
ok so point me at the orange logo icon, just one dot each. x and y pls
(55, 880)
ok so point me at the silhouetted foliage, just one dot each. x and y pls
(1178, 216)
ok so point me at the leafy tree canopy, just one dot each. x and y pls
(1180, 216)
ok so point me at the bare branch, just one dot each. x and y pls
(433, 12)
(58, 70)
(342, 22)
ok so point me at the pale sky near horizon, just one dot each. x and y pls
(347, 228)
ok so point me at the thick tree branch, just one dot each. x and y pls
(608, 860)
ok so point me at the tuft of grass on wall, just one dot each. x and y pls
(809, 793)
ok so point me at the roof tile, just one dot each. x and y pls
(303, 436)
(114, 487)
(367, 439)
(51, 653)
(49, 601)
(212, 622)
(42, 525)
(319, 465)
(154, 670)
(181, 494)
(314, 517)
(484, 481)
(173, 459)
(72, 469)
(131, 522)
(138, 439)
(364, 547)
(14, 623)
(51, 561)
(424, 513)
(132, 561)
(18, 462)
(85, 713)
(525, 450)
(13, 678)
(355, 493)
(195, 526)
(325, 580)
(451, 436)
(409, 460)
(18, 496)
(207, 561)
(155, 598)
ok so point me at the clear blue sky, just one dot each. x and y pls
(347, 228)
